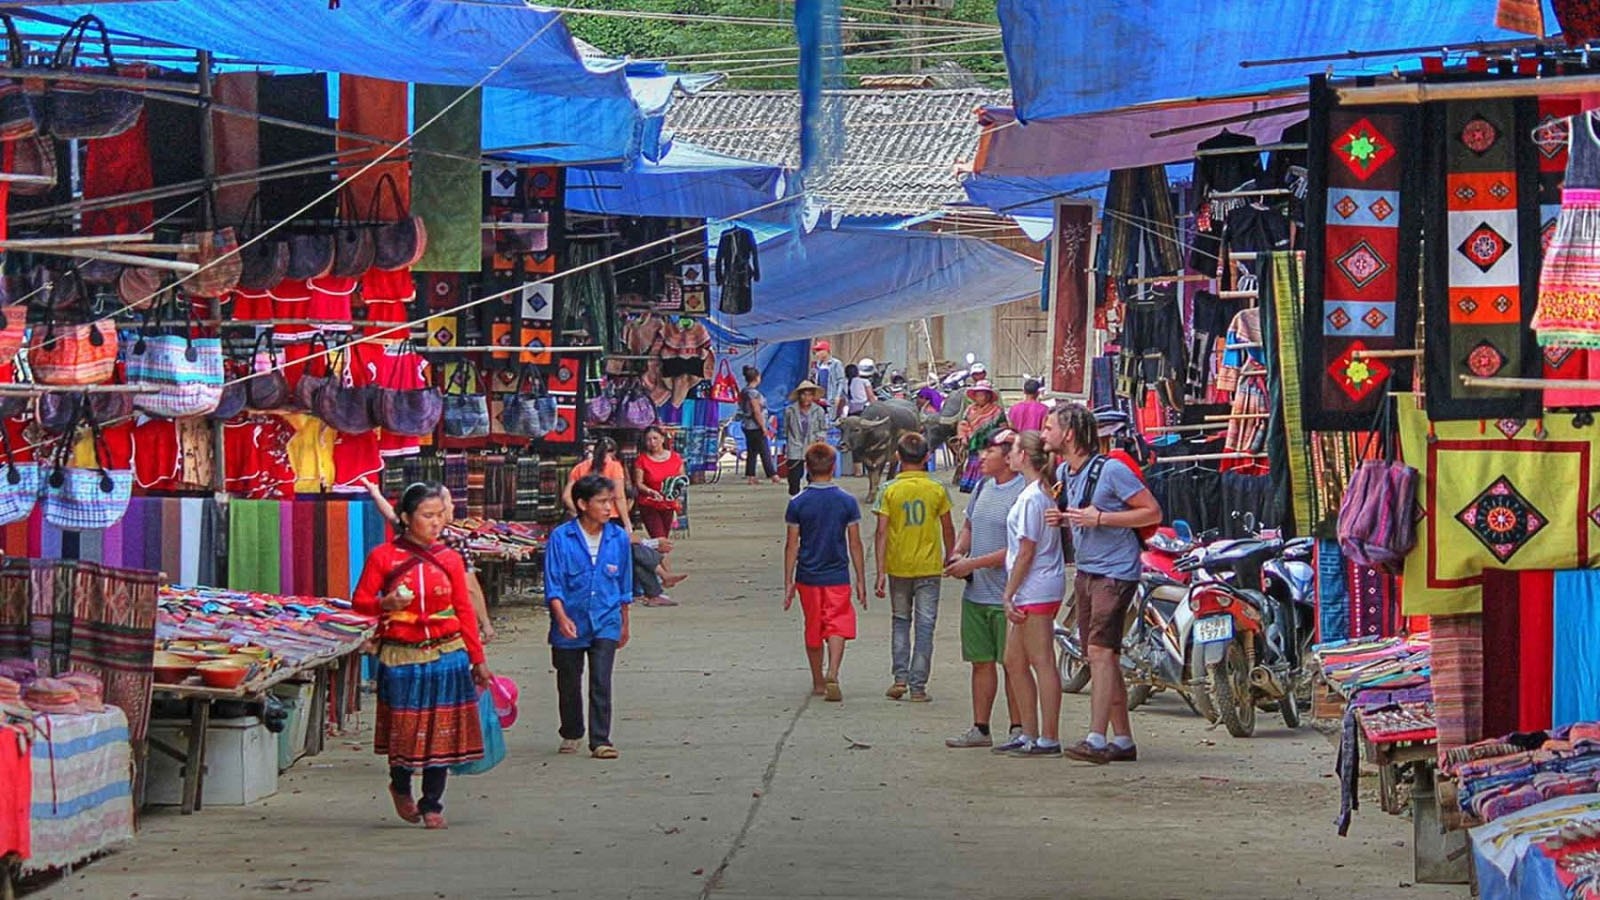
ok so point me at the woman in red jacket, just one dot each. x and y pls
(430, 657)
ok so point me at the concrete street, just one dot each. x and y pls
(735, 783)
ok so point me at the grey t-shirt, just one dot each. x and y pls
(1112, 552)
(986, 513)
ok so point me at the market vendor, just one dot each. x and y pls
(480, 603)
(603, 460)
(430, 659)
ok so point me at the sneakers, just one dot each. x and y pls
(1082, 751)
(973, 738)
(896, 690)
(918, 697)
(1017, 742)
(1035, 748)
(1129, 753)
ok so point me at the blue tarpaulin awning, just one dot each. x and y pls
(1067, 57)
(689, 181)
(833, 280)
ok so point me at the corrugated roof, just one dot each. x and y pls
(900, 150)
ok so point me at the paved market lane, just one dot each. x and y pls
(733, 784)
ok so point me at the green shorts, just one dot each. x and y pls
(983, 632)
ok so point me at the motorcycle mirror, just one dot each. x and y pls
(1182, 529)
(1250, 522)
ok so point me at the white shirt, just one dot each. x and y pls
(594, 543)
(1046, 581)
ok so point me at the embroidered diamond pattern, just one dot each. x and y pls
(1358, 377)
(1466, 193)
(507, 179)
(1500, 190)
(1551, 136)
(1510, 427)
(1339, 319)
(1363, 149)
(1594, 515)
(1484, 247)
(1361, 264)
(1381, 208)
(1485, 359)
(1375, 318)
(1502, 304)
(1346, 207)
(1467, 305)
(444, 337)
(1556, 357)
(1479, 135)
(1502, 519)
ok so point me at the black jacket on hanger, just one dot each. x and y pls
(738, 267)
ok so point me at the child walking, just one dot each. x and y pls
(914, 535)
(823, 547)
(588, 585)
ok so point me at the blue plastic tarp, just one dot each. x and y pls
(828, 281)
(689, 181)
(1067, 57)
(782, 365)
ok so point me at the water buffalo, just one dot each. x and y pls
(871, 435)
(940, 432)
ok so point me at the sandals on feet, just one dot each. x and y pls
(434, 821)
(569, 746)
(831, 692)
(604, 751)
(404, 806)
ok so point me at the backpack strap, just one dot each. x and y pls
(1096, 466)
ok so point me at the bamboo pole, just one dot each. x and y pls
(149, 87)
(1231, 417)
(1386, 354)
(1209, 457)
(1415, 92)
(74, 241)
(1175, 429)
(1531, 384)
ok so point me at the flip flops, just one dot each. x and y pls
(404, 806)
(604, 751)
(831, 692)
(569, 746)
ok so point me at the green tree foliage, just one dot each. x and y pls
(760, 56)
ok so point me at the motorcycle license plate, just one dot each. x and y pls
(1214, 629)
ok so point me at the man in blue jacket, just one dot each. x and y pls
(588, 585)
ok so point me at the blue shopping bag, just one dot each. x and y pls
(494, 739)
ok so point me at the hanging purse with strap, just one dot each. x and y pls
(77, 110)
(342, 403)
(724, 389)
(637, 410)
(72, 355)
(409, 411)
(235, 397)
(310, 255)
(397, 244)
(264, 262)
(140, 287)
(85, 499)
(531, 411)
(19, 484)
(19, 114)
(186, 370)
(220, 265)
(466, 415)
(308, 386)
(353, 243)
(13, 331)
(268, 387)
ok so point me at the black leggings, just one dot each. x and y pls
(433, 780)
(796, 473)
(755, 443)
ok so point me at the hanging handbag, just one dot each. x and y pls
(466, 415)
(267, 388)
(263, 261)
(76, 110)
(602, 407)
(217, 257)
(13, 330)
(353, 243)
(35, 157)
(140, 287)
(19, 486)
(637, 410)
(19, 115)
(309, 386)
(342, 403)
(57, 291)
(413, 412)
(71, 355)
(186, 370)
(723, 388)
(399, 244)
(235, 397)
(85, 499)
(57, 411)
(531, 411)
(310, 255)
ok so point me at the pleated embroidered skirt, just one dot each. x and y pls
(428, 713)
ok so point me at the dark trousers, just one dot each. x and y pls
(433, 780)
(755, 443)
(796, 473)
(601, 654)
(646, 583)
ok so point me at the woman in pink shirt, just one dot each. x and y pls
(1029, 414)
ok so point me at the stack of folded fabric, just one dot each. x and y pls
(22, 671)
(10, 692)
(52, 695)
(91, 691)
(1389, 664)
(1514, 772)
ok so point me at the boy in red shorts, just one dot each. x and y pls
(824, 546)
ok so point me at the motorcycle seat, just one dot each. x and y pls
(1243, 553)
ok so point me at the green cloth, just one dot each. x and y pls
(447, 192)
(255, 546)
(1286, 281)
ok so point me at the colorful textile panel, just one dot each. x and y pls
(1550, 142)
(306, 548)
(1481, 284)
(1364, 239)
(1457, 679)
(175, 535)
(1506, 496)
(1576, 660)
(82, 794)
(1518, 618)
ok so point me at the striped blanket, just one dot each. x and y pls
(82, 794)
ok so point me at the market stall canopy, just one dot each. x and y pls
(1066, 57)
(546, 93)
(689, 181)
(834, 280)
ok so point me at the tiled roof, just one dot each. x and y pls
(900, 146)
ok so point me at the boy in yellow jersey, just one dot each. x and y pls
(914, 536)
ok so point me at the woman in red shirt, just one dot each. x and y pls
(430, 657)
(659, 479)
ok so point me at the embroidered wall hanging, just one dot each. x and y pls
(1550, 143)
(1072, 256)
(1482, 274)
(1362, 236)
(1507, 496)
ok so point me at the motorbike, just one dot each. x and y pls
(1250, 638)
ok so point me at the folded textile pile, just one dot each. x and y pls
(1387, 664)
(297, 630)
(91, 690)
(53, 695)
(492, 539)
(10, 692)
(1502, 776)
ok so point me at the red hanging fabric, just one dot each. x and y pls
(1536, 592)
(236, 141)
(1502, 651)
(120, 165)
(375, 107)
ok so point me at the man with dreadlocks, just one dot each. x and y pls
(1104, 502)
